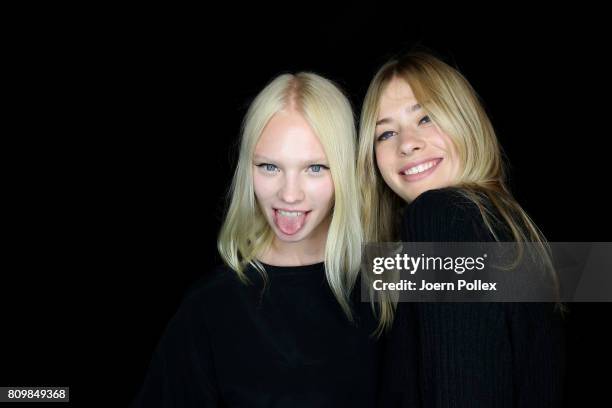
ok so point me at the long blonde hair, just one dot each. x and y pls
(245, 233)
(454, 107)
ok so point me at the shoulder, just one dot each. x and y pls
(444, 215)
(217, 288)
(219, 278)
(448, 200)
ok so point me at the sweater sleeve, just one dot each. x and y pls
(181, 372)
(479, 354)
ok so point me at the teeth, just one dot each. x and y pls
(289, 213)
(420, 168)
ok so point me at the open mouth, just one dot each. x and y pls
(290, 222)
(420, 170)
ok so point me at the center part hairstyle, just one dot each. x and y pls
(245, 233)
(454, 107)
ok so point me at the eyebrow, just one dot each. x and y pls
(318, 160)
(411, 109)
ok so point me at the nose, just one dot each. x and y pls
(409, 142)
(291, 191)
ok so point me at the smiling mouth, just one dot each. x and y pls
(421, 168)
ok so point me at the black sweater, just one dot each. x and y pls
(294, 347)
(469, 354)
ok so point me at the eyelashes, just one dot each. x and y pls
(267, 167)
(318, 168)
(425, 119)
(272, 168)
(386, 135)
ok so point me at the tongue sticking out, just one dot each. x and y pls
(289, 225)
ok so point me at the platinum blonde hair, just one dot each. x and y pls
(245, 233)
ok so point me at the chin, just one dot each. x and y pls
(413, 194)
(290, 239)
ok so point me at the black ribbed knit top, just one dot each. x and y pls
(469, 354)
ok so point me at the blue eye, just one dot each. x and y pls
(270, 168)
(424, 119)
(316, 168)
(385, 135)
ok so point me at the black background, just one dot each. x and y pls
(120, 146)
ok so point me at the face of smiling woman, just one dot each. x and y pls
(292, 182)
(412, 154)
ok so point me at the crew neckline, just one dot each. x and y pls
(294, 269)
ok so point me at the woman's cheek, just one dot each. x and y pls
(264, 187)
(322, 191)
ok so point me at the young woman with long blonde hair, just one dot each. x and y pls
(431, 170)
(278, 324)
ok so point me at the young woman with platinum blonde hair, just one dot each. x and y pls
(279, 324)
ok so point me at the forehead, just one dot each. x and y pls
(288, 135)
(396, 95)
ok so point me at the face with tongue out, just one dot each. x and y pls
(292, 180)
